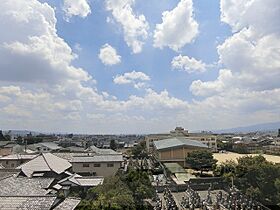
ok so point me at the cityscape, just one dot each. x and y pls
(139, 105)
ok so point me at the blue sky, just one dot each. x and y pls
(131, 66)
(152, 61)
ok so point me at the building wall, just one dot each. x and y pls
(11, 163)
(207, 139)
(6, 151)
(91, 168)
(176, 155)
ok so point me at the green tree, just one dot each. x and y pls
(259, 179)
(201, 160)
(112, 194)
(139, 183)
(113, 144)
(139, 151)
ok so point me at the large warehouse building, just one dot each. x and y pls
(175, 149)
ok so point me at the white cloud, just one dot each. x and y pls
(138, 79)
(108, 55)
(188, 64)
(135, 27)
(79, 8)
(247, 91)
(178, 27)
(212, 87)
(41, 55)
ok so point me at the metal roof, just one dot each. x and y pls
(103, 151)
(174, 168)
(44, 163)
(50, 145)
(98, 158)
(177, 142)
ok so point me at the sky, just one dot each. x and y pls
(131, 66)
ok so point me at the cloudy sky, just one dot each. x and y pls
(131, 66)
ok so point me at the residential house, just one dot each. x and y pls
(97, 165)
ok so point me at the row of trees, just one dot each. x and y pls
(255, 177)
(123, 191)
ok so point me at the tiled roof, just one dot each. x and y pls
(43, 163)
(27, 202)
(68, 204)
(87, 181)
(23, 186)
(69, 155)
(18, 157)
(177, 142)
(98, 158)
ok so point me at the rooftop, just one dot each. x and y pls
(27, 202)
(18, 157)
(177, 142)
(23, 186)
(45, 162)
(68, 204)
(98, 158)
(103, 151)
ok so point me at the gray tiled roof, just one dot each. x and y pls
(68, 204)
(23, 186)
(18, 157)
(98, 158)
(44, 163)
(177, 142)
(27, 202)
(82, 181)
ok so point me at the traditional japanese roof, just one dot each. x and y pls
(68, 204)
(177, 142)
(18, 157)
(23, 186)
(98, 158)
(26, 202)
(78, 180)
(45, 162)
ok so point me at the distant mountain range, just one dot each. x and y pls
(251, 128)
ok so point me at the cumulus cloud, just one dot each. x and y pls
(79, 8)
(247, 90)
(137, 78)
(200, 88)
(178, 27)
(185, 63)
(135, 27)
(108, 55)
(32, 41)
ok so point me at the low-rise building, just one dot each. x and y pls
(45, 165)
(207, 138)
(14, 160)
(175, 149)
(97, 165)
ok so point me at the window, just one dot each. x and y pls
(96, 165)
(12, 165)
(110, 164)
(85, 165)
